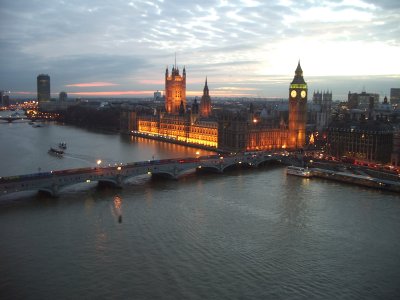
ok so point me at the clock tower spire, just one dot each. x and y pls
(297, 109)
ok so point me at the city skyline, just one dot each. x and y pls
(246, 48)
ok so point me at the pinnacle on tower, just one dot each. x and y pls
(298, 77)
(299, 71)
(206, 91)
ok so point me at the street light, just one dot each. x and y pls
(98, 162)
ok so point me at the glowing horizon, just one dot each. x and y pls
(92, 84)
(248, 44)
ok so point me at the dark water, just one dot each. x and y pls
(241, 235)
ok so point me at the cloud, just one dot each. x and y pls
(130, 43)
(91, 84)
(112, 93)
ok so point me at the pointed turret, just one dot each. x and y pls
(299, 71)
(205, 102)
(298, 77)
(205, 90)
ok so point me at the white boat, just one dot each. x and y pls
(298, 171)
(56, 152)
(62, 145)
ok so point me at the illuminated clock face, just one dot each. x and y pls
(293, 94)
(303, 94)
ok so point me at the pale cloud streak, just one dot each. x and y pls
(129, 43)
(91, 84)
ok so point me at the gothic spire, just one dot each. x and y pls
(298, 77)
(299, 71)
(206, 91)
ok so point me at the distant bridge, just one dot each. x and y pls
(10, 119)
(53, 182)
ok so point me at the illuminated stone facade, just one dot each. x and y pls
(298, 93)
(232, 130)
(239, 131)
(175, 90)
(179, 128)
(205, 102)
(266, 138)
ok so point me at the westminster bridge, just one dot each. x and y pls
(54, 182)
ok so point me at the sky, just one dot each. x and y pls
(246, 48)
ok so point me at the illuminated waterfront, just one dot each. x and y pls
(245, 234)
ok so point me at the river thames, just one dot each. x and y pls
(244, 234)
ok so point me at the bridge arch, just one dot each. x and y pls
(168, 175)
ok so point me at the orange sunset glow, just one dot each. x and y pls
(92, 84)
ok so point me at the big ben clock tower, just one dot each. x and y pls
(297, 110)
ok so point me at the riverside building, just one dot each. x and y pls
(231, 130)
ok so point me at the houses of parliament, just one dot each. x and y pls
(230, 130)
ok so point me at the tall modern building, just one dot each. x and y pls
(175, 90)
(297, 110)
(43, 88)
(4, 99)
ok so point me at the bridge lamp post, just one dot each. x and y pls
(98, 162)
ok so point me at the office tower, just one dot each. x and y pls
(43, 88)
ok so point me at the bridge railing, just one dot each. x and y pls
(54, 179)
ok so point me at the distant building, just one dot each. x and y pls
(4, 99)
(233, 130)
(322, 104)
(63, 96)
(362, 100)
(395, 96)
(157, 96)
(395, 157)
(43, 88)
(362, 140)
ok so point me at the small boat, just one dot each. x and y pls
(62, 145)
(298, 171)
(56, 152)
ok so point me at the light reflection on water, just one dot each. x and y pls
(251, 234)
